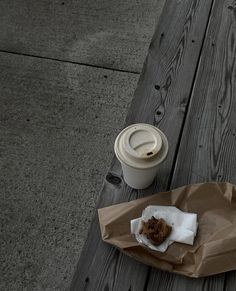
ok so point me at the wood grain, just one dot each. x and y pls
(106, 33)
(230, 281)
(161, 99)
(207, 149)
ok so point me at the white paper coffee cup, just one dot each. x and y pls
(140, 148)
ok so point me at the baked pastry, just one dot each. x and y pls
(156, 230)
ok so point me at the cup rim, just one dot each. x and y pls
(165, 141)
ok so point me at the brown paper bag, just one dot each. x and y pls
(214, 249)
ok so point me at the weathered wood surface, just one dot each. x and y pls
(160, 99)
(207, 149)
(105, 33)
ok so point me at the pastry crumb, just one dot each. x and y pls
(156, 230)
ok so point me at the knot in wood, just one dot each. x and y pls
(113, 179)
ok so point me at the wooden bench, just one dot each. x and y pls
(187, 89)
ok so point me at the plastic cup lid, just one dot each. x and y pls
(141, 146)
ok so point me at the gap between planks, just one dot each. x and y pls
(183, 124)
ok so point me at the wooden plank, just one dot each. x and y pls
(56, 119)
(105, 33)
(160, 280)
(230, 281)
(207, 149)
(160, 99)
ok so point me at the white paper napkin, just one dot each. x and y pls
(184, 226)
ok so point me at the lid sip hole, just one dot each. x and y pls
(149, 154)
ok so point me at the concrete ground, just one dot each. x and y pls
(68, 73)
